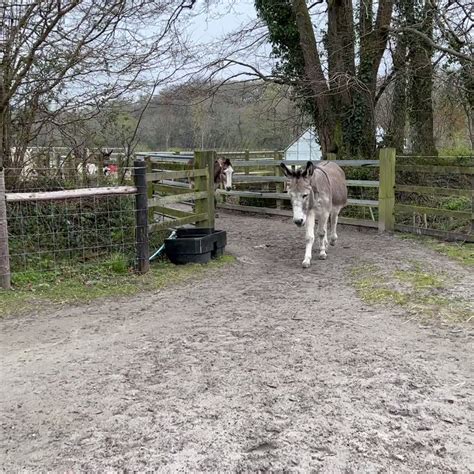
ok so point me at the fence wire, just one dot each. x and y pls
(58, 236)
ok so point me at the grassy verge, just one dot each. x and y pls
(73, 284)
(424, 293)
(461, 252)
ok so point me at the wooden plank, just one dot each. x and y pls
(149, 188)
(436, 160)
(468, 170)
(280, 187)
(288, 213)
(170, 212)
(167, 189)
(361, 183)
(206, 159)
(70, 194)
(254, 194)
(445, 234)
(157, 155)
(286, 197)
(246, 179)
(270, 162)
(255, 209)
(179, 184)
(358, 222)
(362, 202)
(386, 189)
(159, 201)
(159, 175)
(407, 208)
(170, 166)
(194, 219)
(436, 191)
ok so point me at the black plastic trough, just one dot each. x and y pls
(195, 245)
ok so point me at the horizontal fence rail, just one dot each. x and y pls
(271, 163)
(70, 194)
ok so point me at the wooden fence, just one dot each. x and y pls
(441, 177)
(160, 185)
(390, 210)
(156, 189)
(244, 177)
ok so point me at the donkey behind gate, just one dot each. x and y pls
(317, 192)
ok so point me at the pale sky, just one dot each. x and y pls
(222, 19)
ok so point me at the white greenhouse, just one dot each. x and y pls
(304, 148)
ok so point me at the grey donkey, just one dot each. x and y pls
(317, 192)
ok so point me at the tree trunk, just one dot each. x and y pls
(421, 88)
(324, 118)
(396, 132)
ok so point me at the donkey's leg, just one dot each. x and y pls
(334, 215)
(310, 221)
(322, 235)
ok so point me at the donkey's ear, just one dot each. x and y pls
(286, 171)
(308, 172)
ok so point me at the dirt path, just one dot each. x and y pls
(261, 366)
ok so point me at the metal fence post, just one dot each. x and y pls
(387, 189)
(5, 276)
(205, 159)
(141, 216)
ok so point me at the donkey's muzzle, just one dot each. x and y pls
(298, 222)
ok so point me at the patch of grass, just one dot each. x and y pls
(418, 291)
(459, 251)
(419, 279)
(113, 277)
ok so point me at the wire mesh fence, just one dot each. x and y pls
(50, 237)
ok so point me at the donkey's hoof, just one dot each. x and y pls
(323, 256)
(306, 263)
(332, 242)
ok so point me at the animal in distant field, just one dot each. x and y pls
(90, 169)
(223, 173)
(317, 193)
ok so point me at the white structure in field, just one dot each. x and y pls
(304, 148)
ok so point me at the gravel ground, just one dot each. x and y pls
(261, 365)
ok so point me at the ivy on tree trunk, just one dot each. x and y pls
(343, 103)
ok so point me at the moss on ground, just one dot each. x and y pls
(73, 284)
(461, 252)
(421, 292)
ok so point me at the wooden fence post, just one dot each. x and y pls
(141, 216)
(5, 276)
(149, 169)
(279, 187)
(387, 189)
(247, 158)
(205, 159)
